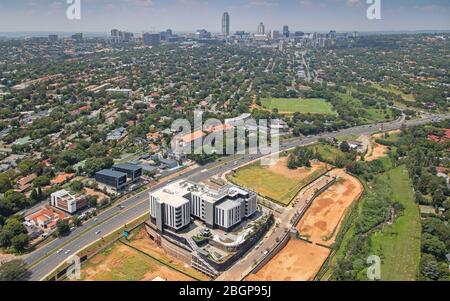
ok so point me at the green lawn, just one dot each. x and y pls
(399, 244)
(395, 90)
(393, 138)
(275, 186)
(329, 153)
(297, 105)
(368, 115)
(377, 115)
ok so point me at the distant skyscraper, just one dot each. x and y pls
(53, 38)
(226, 24)
(78, 37)
(115, 33)
(152, 39)
(332, 34)
(276, 35)
(261, 29)
(286, 32)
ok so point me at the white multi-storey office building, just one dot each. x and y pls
(173, 206)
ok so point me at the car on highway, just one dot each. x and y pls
(121, 207)
(59, 251)
(67, 252)
(98, 232)
(72, 229)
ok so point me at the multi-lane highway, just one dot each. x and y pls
(46, 259)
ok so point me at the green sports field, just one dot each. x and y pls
(298, 105)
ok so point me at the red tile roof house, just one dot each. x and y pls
(447, 134)
(25, 183)
(79, 110)
(62, 178)
(441, 139)
(188, 139)
(46, 218)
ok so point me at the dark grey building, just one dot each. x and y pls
(226, 24)
(114, 179)
(78, 37)
(286, 32)
(168, 163)
(152, 39)
(53, 37)
(133, 171)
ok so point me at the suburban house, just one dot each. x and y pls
(26, 183)
(46, 218)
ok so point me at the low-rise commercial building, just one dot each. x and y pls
(114, 179)
(133, 171)
(67, 202)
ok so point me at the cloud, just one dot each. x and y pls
(141, 3)
(431, 7)
(267, 3)
(306, 3)
(353, 3)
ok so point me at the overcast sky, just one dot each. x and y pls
(189, 15)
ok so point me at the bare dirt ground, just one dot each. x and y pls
(298, 261)
(101, 196)
(301, 261)
(143, 243)
(322, 221)
(124, 263)
(7, 257)
(381, 135)
(280, 168)
(377, 150)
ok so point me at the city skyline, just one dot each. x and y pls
(145, 15)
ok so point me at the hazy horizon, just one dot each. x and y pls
(189, 15)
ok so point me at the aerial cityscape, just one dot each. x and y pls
(225, 153)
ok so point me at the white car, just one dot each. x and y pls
(98, 232)
(59, 251)
(67, 252)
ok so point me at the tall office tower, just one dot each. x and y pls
(226, 24)
(126, 36)
(286, 31)
(77, 37)
(152, 39)
(261, 29)
(53, 37)
(276, 35)
(115, 33)
(332, 34)
(169, 33)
